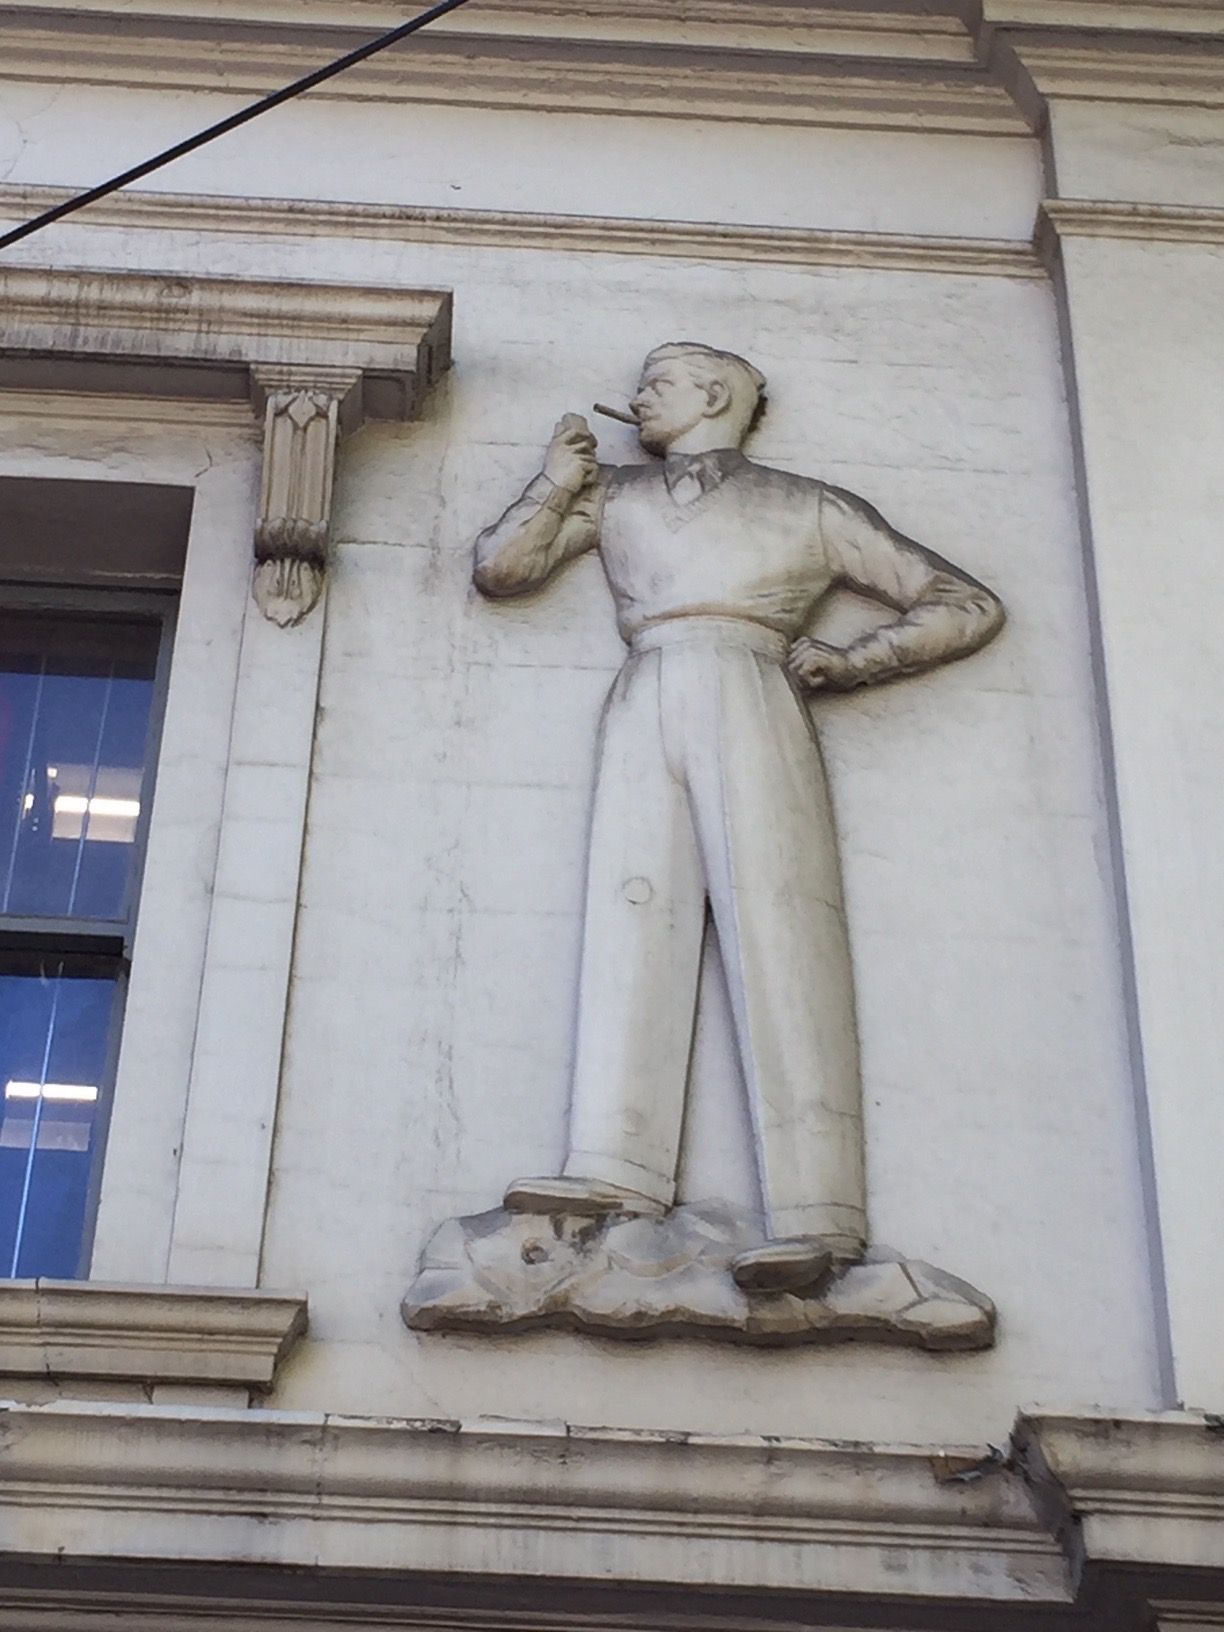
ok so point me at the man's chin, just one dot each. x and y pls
(655, 442)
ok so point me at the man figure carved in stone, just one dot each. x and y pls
(710, 788)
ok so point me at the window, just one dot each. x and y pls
(81, 673)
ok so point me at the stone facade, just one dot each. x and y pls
(979, 254)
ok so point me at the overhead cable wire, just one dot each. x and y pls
(224, 126)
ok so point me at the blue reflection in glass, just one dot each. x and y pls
(76, 694)
(75, 699)
(54, 1041)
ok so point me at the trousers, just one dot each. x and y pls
(711, 792)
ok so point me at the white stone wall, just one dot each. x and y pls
(564, 163)
(428, 1033)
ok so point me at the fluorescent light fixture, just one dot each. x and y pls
(103, 818)
(73, 1093)
(75, 804)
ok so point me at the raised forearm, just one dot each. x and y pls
(526, 544)
(556, 519)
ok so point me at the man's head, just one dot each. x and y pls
(692, 398)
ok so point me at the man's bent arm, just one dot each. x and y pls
(946, 614)
(541, 531)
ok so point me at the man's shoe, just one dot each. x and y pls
(794, 1264)
(588, 1198)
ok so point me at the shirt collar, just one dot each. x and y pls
(710, 468)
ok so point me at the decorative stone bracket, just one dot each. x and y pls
(315, 360)
(305, 411)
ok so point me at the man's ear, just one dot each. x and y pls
(718, 395)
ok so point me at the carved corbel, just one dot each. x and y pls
(306, 410)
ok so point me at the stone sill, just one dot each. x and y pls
(53, 1330)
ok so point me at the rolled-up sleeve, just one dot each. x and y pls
(540, 531)
(946, 614)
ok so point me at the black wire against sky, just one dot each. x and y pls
(71, 205)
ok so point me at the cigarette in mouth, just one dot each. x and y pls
(615, 413)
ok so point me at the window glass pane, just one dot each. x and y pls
(54, 1040)
(75, 697)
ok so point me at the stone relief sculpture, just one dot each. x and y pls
(711, 796)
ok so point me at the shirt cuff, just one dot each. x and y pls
(870, 658)
(542, 490)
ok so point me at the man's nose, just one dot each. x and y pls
(637, 403)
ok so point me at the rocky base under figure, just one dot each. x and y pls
(620, 1276)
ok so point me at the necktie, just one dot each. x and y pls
(685, 479)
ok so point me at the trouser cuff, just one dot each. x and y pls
(586, 1164)
(844, 1228)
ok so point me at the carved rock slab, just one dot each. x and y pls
(652, 1277)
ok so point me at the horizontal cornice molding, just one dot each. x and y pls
(495, 1498)
(1188, 1617)
(1148, 223)
(53, 1330)
(919, 30)
(1048, 63)
(177, 335)
(1140, 1491)
(901, 31)
(788, 75)
(1106, 17)
(32, 1610)
(88, 408)
(932, 65)
(574, 234)
(208, 314)
(473, 1523)
(1122, 68)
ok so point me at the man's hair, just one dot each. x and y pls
(707, 364)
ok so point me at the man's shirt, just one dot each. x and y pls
(715, 535)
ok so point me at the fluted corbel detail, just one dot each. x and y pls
(306, 410)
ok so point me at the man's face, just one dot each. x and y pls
(668, 403)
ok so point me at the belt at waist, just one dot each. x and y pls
(709, 631)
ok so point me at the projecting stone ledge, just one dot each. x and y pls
(639, 1278)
